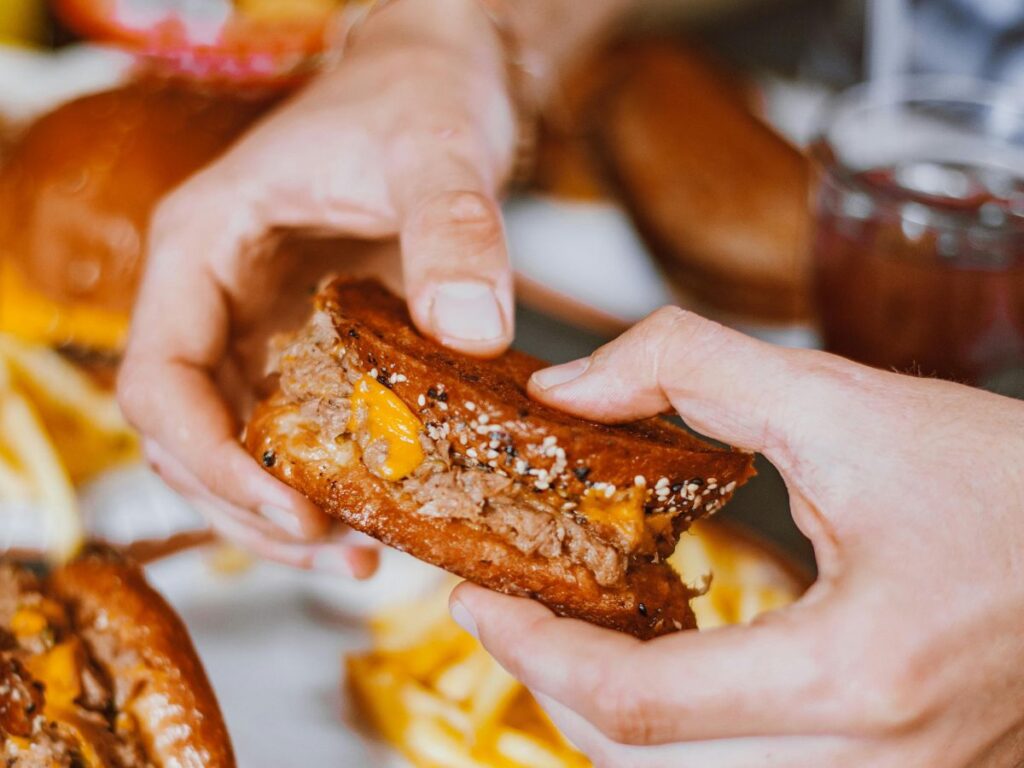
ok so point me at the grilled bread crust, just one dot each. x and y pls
(652, 601)
(145, 649)
(375, 327)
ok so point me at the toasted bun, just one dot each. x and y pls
(144, 648)
(375, 327)
(80, 184)
(720, 197)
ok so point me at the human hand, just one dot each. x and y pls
(412, 136)
(907, 651)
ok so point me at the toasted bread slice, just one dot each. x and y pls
(119, 683)
(720, 197)
(485, 482)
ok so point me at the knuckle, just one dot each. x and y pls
(621, 711)
(891, 698)
(467, 217)
(133, 392)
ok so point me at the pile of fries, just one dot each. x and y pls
(432, 691)
(58, 429)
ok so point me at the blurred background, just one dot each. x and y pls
(709, 153)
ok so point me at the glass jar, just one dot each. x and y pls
(919, 248)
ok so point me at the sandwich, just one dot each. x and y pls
(97, 671)
(445, 456)
(76, 195)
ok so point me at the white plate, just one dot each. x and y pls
(273, 647)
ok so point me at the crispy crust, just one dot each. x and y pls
(361, 500)
(376, 327)
(720, 198)
(145, 649)
(376, 330)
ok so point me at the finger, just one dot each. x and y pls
(344, 552)
(179, 334)
(458, 280)
(724, 384)
(781, 751)
(770, 678)
(332, 557)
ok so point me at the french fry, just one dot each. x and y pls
(37, 461)
(83, 421)
(436, 747)
(433, 692)
(528, 751)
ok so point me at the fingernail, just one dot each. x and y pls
(283, 519)
(463, 618)
(560, 374)
(331, 560)
(467, 310)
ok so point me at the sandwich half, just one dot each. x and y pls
(445, 456)
(97, 671)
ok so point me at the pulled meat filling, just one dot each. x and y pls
(317, 376)
(57, 707)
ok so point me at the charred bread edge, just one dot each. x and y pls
(111, 596)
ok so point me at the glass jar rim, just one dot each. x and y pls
(906, 90)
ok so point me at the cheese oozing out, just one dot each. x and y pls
(388, 419)
(623, 512)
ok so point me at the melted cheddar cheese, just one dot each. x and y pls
(28, 622)
(623, 512)
(60, 670)
(388, 419)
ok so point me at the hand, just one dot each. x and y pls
(411, 136)
(907, 651)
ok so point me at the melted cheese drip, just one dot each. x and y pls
(622, 512)
(391, 420)
(28, 622)
(60, 670)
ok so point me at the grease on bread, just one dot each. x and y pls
(445, 457)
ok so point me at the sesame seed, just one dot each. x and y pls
(463, 440)
(471, 453)
(484, 418)
(542, 485)
(640, 481)
(442, 405)
(470, 405)
(400, 378)
(609, 491)
(549, 441)
(373, 373)
(492, 454)
(393, 378)
(493, 464)
(421, 401)
(662, 483)
(730, 487)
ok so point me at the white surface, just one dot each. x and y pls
(274, 656)
(586, 250)
(33, 82)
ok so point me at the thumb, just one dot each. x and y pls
(724, 384)
(458, 281)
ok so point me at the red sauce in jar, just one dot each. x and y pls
(920, 269)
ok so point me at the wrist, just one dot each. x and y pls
(453, 25)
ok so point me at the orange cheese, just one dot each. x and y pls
(622, 511)
(28, 622)
(60, 670)
(391, 420)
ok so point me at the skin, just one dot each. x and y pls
(908, 650)
(374, 150)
